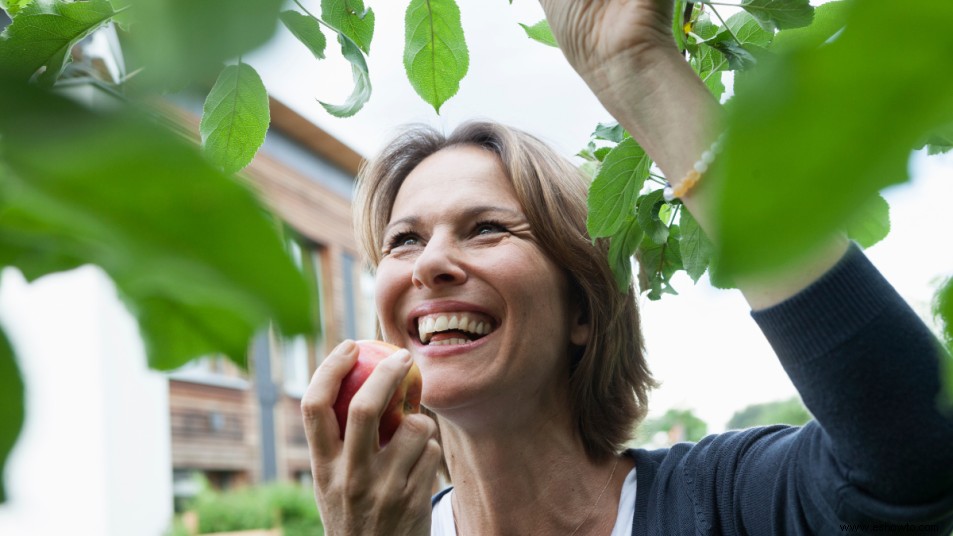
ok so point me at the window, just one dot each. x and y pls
(298, 354)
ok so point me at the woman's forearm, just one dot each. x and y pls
(665, 106)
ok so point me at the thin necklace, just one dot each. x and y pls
(601, 493)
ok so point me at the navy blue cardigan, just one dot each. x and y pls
(877, 459)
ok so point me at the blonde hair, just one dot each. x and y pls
(610, 379)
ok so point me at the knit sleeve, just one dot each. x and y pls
(868, 370)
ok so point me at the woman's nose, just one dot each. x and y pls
(438, 265)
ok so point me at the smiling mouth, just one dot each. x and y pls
(453, 328)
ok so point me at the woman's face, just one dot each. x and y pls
(465, 287)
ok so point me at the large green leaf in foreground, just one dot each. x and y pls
(178, 41)
(11, 405)
(435, 52)
(820, 128)
(192, 252)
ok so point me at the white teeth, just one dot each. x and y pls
(447, 342)
(468, 322)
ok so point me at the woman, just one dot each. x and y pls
(486, 229)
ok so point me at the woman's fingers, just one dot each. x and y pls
(407, 447)
(317, 404)
(364, 413)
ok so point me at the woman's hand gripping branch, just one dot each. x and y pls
(360, 487)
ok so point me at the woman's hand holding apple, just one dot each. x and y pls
(360, 486)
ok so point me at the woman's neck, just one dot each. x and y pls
(533, 478)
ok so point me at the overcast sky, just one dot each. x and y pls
(702, 344)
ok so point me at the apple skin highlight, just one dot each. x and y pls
(406, 399)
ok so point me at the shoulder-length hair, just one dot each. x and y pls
(610, 379)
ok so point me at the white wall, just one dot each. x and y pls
(94, 455)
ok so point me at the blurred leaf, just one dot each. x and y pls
(179, 41)
(789, 129)
(943, 310)
(828, 20)
(613, 193)
(871, 223)
(11, 406)
(695, 247)
(362, 81)
(435, 51)
(43, 34)
(611, 131)
(192, 252)
(12, 7)
(541, 32)
(307, 30)
(622, 246)
(940, 140)
(648, 215)
(780, 14)
(235, 118)
(351, 18)
(657, 264)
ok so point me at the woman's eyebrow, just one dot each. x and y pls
(469, 212)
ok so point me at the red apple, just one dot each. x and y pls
(406, 399)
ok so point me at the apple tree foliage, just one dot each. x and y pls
(834, 99)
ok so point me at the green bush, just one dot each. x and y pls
(288, 506)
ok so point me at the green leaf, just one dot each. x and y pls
(541, 32)
(351, 18)
(695, 247)
(828, 20)
(11, 406)
(192, 252)
(940, 140)
(871, 223)
(648, 215)
(806, 134)
(943, 310)
(707, 61)
(12, 7)
(235, 118)
(307, 30)
(613, 193)
(657, 264)
(780, 14)
(739, 58)
(362, 81)
(622, 246)
(748, 30)
(43, 34)
(180, 41)
(611, 131)
(435, 51)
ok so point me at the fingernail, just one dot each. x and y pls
(348, 346)
(404, 356)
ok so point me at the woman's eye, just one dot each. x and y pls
(404, 239)
(486, 228)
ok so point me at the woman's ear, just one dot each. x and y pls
(579, 330)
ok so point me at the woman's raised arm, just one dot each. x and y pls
(624, 50)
